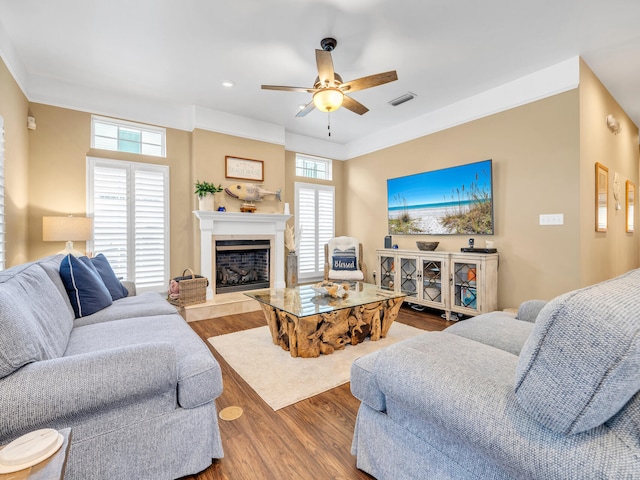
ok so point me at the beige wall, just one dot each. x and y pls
(605, 254)
(14, 108)
(209, 150)
(57, 178)
(543, 155)
(535, 153)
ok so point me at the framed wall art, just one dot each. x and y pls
(631, 202)
(244, 168)
(602, 193)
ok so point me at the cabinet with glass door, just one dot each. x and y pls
(463, 283)
(474, 283)
(387, 278)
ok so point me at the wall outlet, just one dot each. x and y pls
(552, 219)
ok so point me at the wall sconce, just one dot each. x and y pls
(67, 229)
(613, 124)
(31, 123)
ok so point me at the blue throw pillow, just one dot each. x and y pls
(344, 263)
(85, 288)
(116, 289)
(344, 259)
(351, 252)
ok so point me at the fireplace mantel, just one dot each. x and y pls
(213, 224)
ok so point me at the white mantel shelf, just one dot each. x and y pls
(214, 224)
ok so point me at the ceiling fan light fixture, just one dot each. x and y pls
(328, 99)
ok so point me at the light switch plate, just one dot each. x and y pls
(552, 219)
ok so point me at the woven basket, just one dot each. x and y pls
(193, 289)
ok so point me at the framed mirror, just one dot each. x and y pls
(631, 200)
(602, 192)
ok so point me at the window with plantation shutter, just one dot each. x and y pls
(2, 219)
(129, 203)
(314, 227)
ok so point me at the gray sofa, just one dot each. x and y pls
(133, 381)
(551, 394)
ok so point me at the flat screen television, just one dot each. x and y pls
(451, 201)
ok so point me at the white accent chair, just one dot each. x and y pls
(342, 244)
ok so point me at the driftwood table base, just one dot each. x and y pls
(311, 335)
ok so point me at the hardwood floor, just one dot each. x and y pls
(308, 440)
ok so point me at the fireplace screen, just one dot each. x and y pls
(242, 265)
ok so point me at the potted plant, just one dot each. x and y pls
(205, 191)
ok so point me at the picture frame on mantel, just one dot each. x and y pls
(602, 194)
(244, 168)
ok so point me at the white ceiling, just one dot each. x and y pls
(170, 53)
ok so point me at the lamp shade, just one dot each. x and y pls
(62, 229)
(328, 99)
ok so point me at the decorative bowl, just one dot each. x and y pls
(427, 246)
(335, 290)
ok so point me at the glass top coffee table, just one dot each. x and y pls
(308, 323)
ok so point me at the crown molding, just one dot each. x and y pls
(549, 81)
(229, 124)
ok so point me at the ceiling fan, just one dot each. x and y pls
(329, 91)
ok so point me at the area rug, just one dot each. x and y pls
(281, 380)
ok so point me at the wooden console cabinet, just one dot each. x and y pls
(465, 283)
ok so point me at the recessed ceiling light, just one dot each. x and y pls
(228, 84)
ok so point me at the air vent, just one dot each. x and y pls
(402, 99)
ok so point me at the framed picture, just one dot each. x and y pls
(602, 193)
(244, 168)
(631, 200)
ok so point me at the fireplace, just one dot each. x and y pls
(216, 226)
(242, 265)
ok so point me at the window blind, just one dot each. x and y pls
(149, 227)
(314, 227)
(130, 205)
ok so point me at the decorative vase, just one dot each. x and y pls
(292, 270)
(206, 202)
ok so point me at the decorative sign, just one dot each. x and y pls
(244, 168)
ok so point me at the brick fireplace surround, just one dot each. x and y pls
(235, 225)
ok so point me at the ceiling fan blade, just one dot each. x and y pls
(353, 105)
(288, 89)
(310, 106)
(370, 81)
(326, 73)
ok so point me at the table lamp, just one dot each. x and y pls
(67, 229)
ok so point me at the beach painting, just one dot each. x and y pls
(451, 201)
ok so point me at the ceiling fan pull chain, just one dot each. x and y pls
(329, 122)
